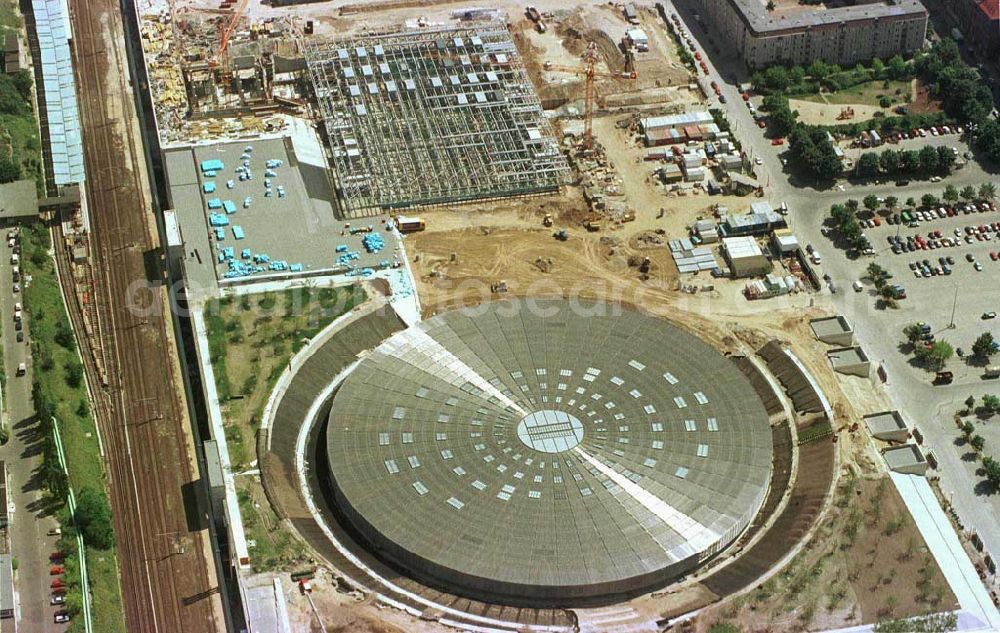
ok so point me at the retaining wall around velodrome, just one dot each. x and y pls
(365, 331)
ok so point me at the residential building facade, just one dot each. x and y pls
(844, 35)
(980, 23)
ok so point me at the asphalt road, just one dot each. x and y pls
(928, 408)
(31, 518)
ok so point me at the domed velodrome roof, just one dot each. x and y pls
(547, 452)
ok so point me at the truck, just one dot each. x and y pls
(409, 224)
(993, 371)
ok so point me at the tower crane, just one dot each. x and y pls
(227, 31)
(590, 72)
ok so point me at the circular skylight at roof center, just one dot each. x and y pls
(545, 454)
(550, 431)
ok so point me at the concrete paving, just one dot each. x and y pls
(929, 408)
(31, 517)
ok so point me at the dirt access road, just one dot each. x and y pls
(167, 571)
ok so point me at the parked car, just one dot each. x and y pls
(989, 315)
(56, 570)
(21, 369)
(57, 599)
(61, 617)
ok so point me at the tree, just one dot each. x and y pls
(877, 274)
(853, 205)
(870, 202)
(811, 149)
(992, 469)
(987, 191)
(781, 119)
(988, 140)
(889, 160)
(819, 70)
(913, 332)
(867, 165)
(946, 159)
(968, 193)
(891, 202)
(93, 518)
(991, 403)
(9, 170)
(910, 202)
(929, 159)
(909, 161)
(935, 356)
(969, 403)
(978, 442)
(897, 68)
(888, 293)
(884, 101)
(928, 200)
(770, 5)
(968, 428)
(984, 346)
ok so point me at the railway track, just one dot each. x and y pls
(167, 575)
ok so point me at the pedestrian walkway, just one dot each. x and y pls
(978, 612)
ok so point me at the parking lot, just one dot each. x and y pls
(946, 259)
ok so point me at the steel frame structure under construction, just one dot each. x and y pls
(432, 117)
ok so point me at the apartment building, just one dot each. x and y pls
(980, 23)
(838, 32)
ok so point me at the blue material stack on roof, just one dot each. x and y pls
(245, 253)
(347, 258)
(208, 187)
(214, 203)
(220, 233)
(229, 206)
(238, 232)
(274, 163)
(247, 202)
(373, 242)
(218, 219)
(213, 164)
(341, 248)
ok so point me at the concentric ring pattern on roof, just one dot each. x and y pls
(548, 453)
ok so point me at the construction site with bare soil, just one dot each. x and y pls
(339, 179)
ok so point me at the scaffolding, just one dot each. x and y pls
(432, 117)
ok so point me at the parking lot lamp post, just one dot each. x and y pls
(954, 304)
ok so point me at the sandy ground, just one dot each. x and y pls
(826, 113)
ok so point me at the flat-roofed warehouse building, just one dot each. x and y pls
(797, 34)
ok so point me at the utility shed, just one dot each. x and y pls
(785, 241)
(742, 185)
(18, 199)
(888, 426)
(12, 54)
(835, 330)
(907, 459)
(850, 360)
(745, 257)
